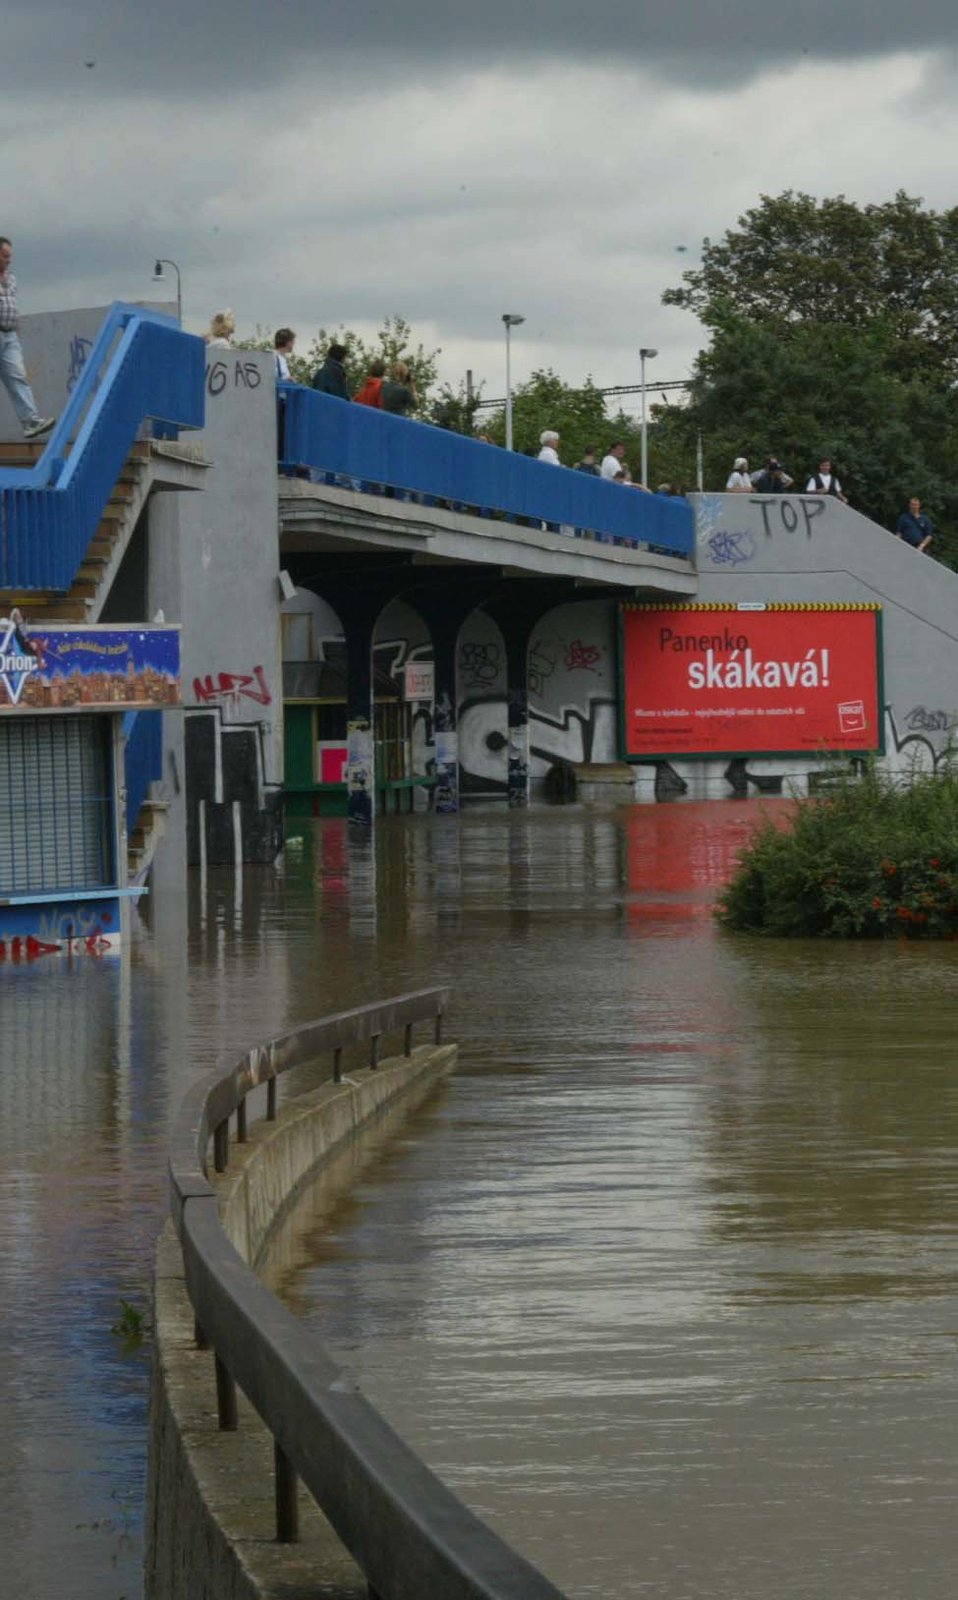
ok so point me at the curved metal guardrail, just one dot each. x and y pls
(141, 366)
(412, 1538)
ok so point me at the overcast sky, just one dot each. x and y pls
(315, 163)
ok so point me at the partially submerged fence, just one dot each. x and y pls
(412, 1538)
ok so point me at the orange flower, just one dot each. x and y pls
(877, 905)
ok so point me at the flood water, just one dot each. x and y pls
(663, 1282)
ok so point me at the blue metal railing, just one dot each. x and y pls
(373, 449)
(142, 759)
(141, 366)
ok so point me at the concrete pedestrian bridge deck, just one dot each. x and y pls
(319, 517)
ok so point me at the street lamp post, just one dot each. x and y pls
(511, 321)
(645, 355)
(161, 262)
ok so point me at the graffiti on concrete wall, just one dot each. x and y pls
(576, 733)
(230, 689)
(79, 355)
(480, 663)
(235, 373)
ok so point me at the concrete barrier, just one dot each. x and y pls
(211, 1515)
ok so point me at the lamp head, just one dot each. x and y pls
(511, 320)
(648, 354)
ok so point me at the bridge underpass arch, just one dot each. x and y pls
(360, 586)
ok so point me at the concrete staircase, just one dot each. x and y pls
(84, 601)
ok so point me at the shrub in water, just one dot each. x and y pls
(868, 860)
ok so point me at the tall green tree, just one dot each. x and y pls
(833, 331)
(794, 260)
(577, 415)
(393, 342)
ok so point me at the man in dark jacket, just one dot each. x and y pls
(330, 378)
(914, 526)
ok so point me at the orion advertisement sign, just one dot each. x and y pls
(756, 679)
(65, 669)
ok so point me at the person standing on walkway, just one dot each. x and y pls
(824, 481)
(915, 526)
(547, 447)
(330, 378)
(13, 373)
(399, 390)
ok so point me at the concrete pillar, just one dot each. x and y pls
(360, 740)
(446, 720)
(517, 695)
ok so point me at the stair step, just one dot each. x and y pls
(84, 589)
(21, 452)
(61, 611)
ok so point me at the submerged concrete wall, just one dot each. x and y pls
(210, 1515)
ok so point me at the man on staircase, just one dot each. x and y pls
(13, 373)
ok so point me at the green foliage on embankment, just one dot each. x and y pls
(868, 860)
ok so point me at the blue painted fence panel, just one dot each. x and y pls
(361, 443)
(142, 759)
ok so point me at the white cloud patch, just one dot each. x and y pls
(559, 191)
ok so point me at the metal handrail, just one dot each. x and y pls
(411, 1536)
(141, 367)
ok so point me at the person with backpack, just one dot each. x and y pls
(370, 391)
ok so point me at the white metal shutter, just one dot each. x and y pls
(55, 804)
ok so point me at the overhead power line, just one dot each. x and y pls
(618, 388)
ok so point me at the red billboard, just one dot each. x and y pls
(701, 680)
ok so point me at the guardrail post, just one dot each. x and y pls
(374, 1052)
(287, 1498)
(241, 1122)
(338, 1064)
(438, 1031)
(271, 1100)
(221, 1146)
(407, 1040)
(225, 1398)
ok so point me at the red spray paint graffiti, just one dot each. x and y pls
(232, 687)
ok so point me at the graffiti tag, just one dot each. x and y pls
(232, 687)
(79, 354)
(581, 657)
(730, 548)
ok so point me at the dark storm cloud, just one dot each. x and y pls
(188, 46)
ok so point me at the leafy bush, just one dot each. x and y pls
(868, 860)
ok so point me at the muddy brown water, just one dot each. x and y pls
(663, 1283)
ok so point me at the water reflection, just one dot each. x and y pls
(663, 1282)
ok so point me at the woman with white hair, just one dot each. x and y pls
(739, 482)
(222, 329)
(548, 440)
